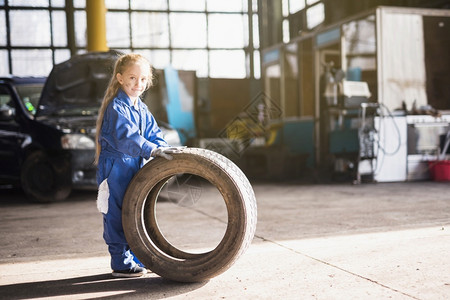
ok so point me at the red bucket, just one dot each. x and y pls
(439, 170)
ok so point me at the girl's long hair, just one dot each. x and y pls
(120, 66)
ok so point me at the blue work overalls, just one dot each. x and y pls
(128, 135)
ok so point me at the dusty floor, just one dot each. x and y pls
(329, 241)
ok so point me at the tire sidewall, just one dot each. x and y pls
(202, 266)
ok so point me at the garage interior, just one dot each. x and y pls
(338, 112)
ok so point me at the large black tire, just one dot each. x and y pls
(45, 179)
(149, 244)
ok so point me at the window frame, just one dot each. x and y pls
(73, 43)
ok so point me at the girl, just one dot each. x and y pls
(126, 134)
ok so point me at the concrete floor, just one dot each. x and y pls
(328, 241)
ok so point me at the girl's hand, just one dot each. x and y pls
(166, 151)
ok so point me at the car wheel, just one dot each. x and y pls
(148, 242)
(44, 179)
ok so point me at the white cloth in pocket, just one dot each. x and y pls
(102, 197)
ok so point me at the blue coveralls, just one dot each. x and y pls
(127, 136)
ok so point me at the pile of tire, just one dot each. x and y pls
(148, 242)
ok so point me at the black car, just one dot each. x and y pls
(47, 126)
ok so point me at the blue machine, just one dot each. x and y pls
(180, 106)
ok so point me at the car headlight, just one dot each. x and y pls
(77, 141)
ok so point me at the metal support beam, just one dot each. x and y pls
(96, 25)
(70, 23)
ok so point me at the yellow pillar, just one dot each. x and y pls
(96, 25)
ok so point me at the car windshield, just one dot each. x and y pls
(30, 95)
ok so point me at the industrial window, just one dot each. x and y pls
(22, 34)
(33, 36)
(149, 29)
(215, 38)
(188, 30)
(301, 15)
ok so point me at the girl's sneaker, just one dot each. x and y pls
(136, 271)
